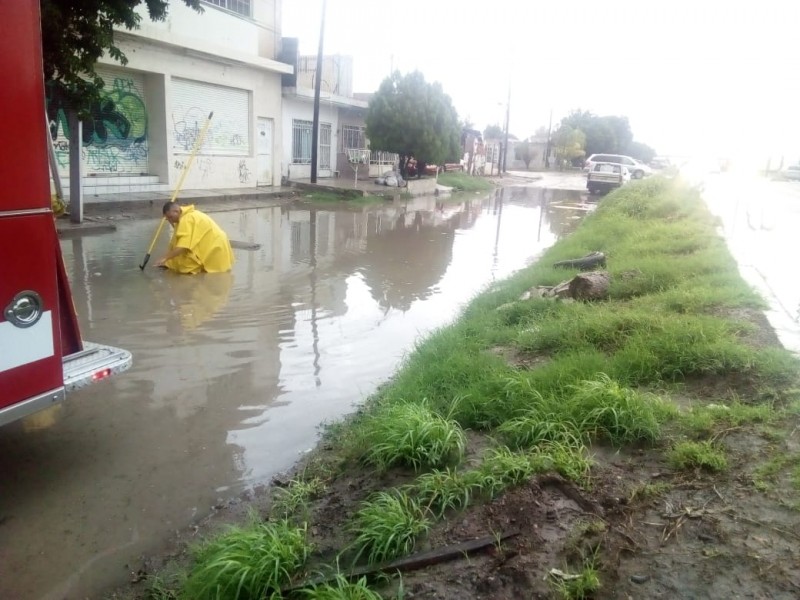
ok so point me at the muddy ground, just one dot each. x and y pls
(653, 532)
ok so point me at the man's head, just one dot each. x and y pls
(172, 212)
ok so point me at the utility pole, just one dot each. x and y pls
(317, 87)
(505, 143)
(547, 151)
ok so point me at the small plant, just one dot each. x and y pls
(647, 491)
(603, 408)
(159, 589)
(535, 428)
(411, 434)
(341, 589)
(247, 562)
(579, 586)
(288, 500)
(765, 474)
(569, 460)
(440, 491)
(703, 455)
(500, 469)
(703, 420)
(387, 526)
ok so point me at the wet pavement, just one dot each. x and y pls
(760, 220)
(234, 373)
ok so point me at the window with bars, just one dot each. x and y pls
(240, 7)
(301, 142)
(353, 137)
(324, 145)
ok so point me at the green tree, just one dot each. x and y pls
(570, 144)
(411, 117)
(76, 33)
(609, 134)
(525, 152)
(641, 151)
(493, 132)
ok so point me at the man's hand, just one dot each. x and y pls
(160, 262)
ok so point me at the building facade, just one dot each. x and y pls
(179, 71)
(341, 117)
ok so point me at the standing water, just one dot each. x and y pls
(234, 373)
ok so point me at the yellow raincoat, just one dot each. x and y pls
(208, 247)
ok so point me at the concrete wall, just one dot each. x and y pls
(294, 108)
(213, 26)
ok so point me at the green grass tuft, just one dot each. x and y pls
(247, 562)
(703, 455)
(462, 181)
(388, 525)
(340, 589)
(410, 434)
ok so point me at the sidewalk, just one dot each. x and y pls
(100, 211)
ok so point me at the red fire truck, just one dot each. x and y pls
(42, 355)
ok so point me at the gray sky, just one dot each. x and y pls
(693, 77)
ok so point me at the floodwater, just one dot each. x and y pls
(234, 373)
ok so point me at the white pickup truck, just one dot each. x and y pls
(604, 177)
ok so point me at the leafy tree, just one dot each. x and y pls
(411, 117)
(493, 132)
(569, 144)
(525, 152)
(609, 134)
(641, 151)
(76, 33)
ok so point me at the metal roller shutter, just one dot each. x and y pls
(115, 138)
(192, 101)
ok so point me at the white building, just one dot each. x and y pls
(341, 116)
(224, 61)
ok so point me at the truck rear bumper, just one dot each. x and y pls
(94, 363)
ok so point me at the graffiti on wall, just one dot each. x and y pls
(114, 137)
(223, 135)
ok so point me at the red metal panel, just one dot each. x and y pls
(24, 171)
(27, 245)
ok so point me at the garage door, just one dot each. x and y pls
(229, 132)
(115, 137)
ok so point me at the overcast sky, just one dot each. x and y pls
(693, 77)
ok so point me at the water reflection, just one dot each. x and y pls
(233, 374)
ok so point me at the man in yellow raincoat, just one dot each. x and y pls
(198, 244)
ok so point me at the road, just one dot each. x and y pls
(760, 220)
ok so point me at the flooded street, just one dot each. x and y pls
(760, 220)
(234, 373)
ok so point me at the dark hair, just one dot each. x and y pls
(167, 206)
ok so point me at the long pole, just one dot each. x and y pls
(547, 150)
(317, 87)
(508, 114)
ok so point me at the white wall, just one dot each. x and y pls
(209, 171)
(212, 26)
(304, 109)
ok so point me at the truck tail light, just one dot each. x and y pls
(101, 374)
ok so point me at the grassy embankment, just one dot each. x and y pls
(324, 197)
(464, 182)
(518, 388)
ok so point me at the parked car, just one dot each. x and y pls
(604, 177)
(636, 168)
(792, 173)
